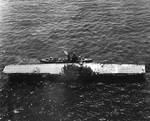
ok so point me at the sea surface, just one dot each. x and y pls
(108, 31)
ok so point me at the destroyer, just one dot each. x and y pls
(71, 58)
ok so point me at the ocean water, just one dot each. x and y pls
(108, 31)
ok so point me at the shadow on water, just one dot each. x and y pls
(74, 96)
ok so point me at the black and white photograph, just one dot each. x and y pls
(74, 60)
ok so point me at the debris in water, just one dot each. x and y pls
(31, 92)
(17, 110)
(102, 119)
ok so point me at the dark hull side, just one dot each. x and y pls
(105, 78)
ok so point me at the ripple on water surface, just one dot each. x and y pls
(108, 31)
(52, 99)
